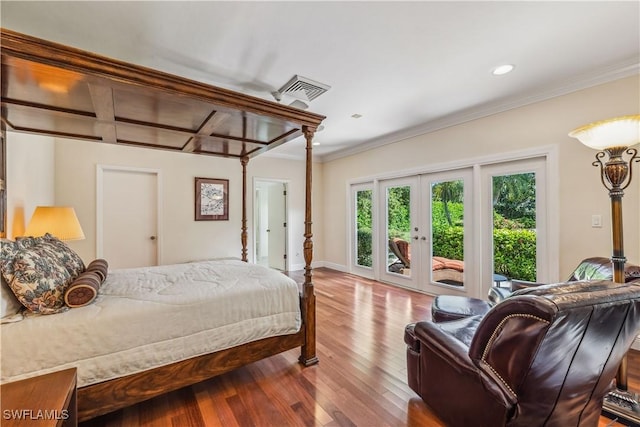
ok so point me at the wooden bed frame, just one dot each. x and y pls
(109, 101)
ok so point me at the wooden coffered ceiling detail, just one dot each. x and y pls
(51, 89)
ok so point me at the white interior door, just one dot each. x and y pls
(270, 223)
(277, 225)
(127, 217)
(261, 225)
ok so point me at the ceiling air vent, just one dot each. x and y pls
(303, 88)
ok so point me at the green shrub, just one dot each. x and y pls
(448, 242)
(515, 250)
(439, 218)
(515, 253)
(365, 250)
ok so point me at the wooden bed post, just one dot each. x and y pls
(243, 233)
(308, 355)
(3, 181)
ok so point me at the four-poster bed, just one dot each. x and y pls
(55, 90)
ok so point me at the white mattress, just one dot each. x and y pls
(150, 317)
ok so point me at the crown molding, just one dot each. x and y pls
(597, 77)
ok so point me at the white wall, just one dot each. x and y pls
(30, 170)
(30, 177)
(183, 238)
(542, 124)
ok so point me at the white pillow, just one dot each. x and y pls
(10, 307)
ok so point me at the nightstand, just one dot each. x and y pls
(46, 400)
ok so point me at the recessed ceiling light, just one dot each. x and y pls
(356, 116)
(502, 69)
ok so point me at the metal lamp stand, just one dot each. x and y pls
(616, 177)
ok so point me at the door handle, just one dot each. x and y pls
(152, 237)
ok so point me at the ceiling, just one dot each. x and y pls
(405, 67)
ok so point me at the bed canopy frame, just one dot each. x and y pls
(56, 90)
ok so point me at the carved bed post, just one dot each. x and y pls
(243, 233)
(308, 356)
(3, 181)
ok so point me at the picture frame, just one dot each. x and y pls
(211, 199)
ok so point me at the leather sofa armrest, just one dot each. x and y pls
(516, 285)
(441, 338)
(449, 340)
(498, 294)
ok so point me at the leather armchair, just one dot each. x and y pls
(546, 356)
(595, 268)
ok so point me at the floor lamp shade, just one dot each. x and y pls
(617, 132)
(59, 221)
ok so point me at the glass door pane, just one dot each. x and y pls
(514, 227)
(399, 230)
(447, 203)
(399, 251)
(363, 217)
(362, 253)
(447, 232)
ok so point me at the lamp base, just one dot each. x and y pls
(622, 406)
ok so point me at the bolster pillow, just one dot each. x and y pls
(99, 266)
(83, 290)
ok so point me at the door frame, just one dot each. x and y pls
(100, 170)
(287, 235)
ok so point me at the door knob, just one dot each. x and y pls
(423, 238)
(415, 237)
(152, 237)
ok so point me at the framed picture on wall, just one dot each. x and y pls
(212, 199)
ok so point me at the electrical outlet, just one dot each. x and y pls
(596, 221)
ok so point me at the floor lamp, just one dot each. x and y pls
(612, 138)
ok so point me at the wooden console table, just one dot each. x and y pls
(46, 400)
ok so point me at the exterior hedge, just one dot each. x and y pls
(515, 250)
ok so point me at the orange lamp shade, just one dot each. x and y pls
(59, 221)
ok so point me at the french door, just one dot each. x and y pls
(447, 217)
(399, 248)
(515, 222)
(362, 226)
(459, 231)
(425, 235)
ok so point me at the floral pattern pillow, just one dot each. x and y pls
(66, 256)
(38, 270)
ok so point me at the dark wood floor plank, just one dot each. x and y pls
(360, 380)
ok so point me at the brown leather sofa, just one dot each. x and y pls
(546, 356)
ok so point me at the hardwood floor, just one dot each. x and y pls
(360, 380)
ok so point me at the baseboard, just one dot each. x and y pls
(296, 267)
(318, 264)
(338, 267)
